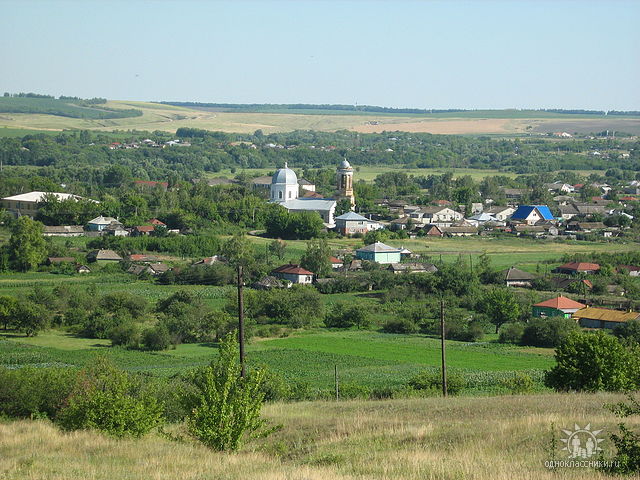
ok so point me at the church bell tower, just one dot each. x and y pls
(344, 181)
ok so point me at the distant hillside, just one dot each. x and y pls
(71, 107)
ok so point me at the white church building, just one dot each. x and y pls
(285, 191)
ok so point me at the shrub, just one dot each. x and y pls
(548, 332)
(274, 387)
(432, 380)
(627, 443)
(519, 384)
(400, 325)
(125, 335)
(155, 339)
(511, 333)
(352, 390)
(345, 315)
(593, 362)
(110, 400)
(34, 392)
(228, 408)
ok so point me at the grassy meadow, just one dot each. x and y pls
(481, 438)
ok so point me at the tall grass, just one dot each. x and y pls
(455, 438)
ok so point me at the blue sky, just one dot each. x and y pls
(426, 54)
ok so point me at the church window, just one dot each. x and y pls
(280, 195)
(289, 193)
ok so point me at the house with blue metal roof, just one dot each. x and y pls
(532, 214)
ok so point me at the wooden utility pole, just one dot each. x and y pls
(241, 319)
(444, 356)
(335, 374)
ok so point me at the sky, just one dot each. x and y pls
(396, 53)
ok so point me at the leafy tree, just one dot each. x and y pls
(110, 400)
(8, 307)
(592, 362)
(27, 247)
(317, 257)
(500, 305)
(31, 317)
(277, 248)
(343, 206)
(228, 406)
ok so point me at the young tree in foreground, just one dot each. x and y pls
(228, 408)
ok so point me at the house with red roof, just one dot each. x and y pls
(336, 263)
(144, 229)
(556, 307)
(573, 268)
(156, 222)
(293, 273)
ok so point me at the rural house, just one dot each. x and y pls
(26, 204)
(500, 213)
(440, 216)
(532, 214)
(398, 268)
(573, 268)
(350, 223)
(103, 256)
(591, 317)
(514, 277)
(379, 252)
(100, 223)
(293, 273)
(63, 231)
(556, 307)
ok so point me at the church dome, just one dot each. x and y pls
(285, 176)
(345, 164)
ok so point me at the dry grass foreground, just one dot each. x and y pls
(498, 438)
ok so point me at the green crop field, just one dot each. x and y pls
(362, 357)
